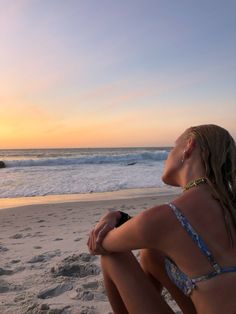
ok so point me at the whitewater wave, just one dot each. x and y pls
(129, 158)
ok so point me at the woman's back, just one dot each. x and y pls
(206, 216)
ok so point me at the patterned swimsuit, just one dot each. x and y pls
(180, 279)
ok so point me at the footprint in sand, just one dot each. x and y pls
(91, 285)
(6, 287)
(37, 247)
(99, 296)
(41, 220)
(93, 288)
(5, 271)
(3, 248)
(45, 308)
(58, 239)
(28, 235)
(20, 297)
(16, 236)
(85, 295)
(54, 291)
(88, 310)
(26, 229)
(44, 257)
(38, 234)
(15, 261)
(77, 239)
(88, 295)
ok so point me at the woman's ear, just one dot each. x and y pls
(190, 146)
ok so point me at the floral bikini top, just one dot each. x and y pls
(180, 279)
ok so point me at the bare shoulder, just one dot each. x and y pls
(156, 213)
(158, 224)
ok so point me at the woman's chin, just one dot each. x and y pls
(169, 181)
(166, 179)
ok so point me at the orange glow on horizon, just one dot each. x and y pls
(37, 130)
(31, 127)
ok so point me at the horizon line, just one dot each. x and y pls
(95, 147)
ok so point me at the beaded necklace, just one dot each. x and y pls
(194, 183)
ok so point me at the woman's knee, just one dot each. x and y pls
(114, 258)
(107, 259)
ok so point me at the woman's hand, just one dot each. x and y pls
(96, 236)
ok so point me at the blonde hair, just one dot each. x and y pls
(218, 154)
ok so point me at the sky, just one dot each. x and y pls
(108, 73)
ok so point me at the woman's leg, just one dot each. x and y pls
(128, 288)
(152, 262)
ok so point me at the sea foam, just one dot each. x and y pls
(71, 171)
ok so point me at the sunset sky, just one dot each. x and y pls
(107, 73)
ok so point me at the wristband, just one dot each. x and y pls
(123, 218)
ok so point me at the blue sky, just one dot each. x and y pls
(114, 73)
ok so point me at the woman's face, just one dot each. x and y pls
(174, 162)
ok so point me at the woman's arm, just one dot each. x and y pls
(146, 230)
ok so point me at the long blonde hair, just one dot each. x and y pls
(218, 153)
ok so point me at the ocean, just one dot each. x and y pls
(40, 172)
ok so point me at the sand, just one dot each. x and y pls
(45, 266)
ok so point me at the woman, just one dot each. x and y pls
(187, 246)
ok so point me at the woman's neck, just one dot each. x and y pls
(194, 183)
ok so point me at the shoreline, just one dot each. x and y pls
(87, 197)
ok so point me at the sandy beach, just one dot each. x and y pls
(45, 264)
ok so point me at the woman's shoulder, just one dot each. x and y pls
(158, 224)
(197, 200)
(160, 213)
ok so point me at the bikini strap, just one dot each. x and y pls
(196, 237)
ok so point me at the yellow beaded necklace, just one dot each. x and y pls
(194, 183)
